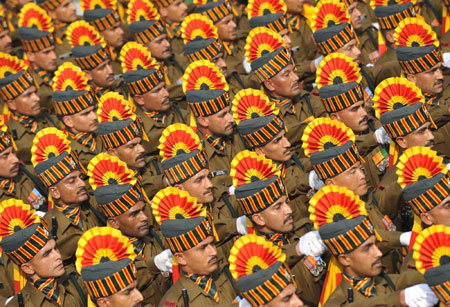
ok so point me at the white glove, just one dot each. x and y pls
(247, 66)
(405, 238)
(317, 61)
(420, 296)
(446, 59)
(163, 261)
(314, 181)
(9, 299)
(311, 244)
(382, 136)
(241, 225)
(231, 190)
(244, 303)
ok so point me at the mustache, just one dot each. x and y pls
(364, 119)
(209, 190)
(14, 167)
(289, 217)
(439, 82)
(213, 259)
(429, 143)
(376, 261)
(165, 100)
(140, 156)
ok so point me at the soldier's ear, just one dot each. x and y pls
(259, 150)
(31, 56)
(203, 121)
(268, 84)
(113, 222)
(103, 302)
(112, 152)
(67, 120)
(88, 75)
(139, 100)
(426, 219)
(334, 116)
(27, 268)
(258, 219)
(179, 257)
(402, 142)
(11, 104)
(163, 12)
(344, 259)
(411, 78)
(329, 181)
(54, 192)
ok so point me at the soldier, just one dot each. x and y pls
(40, 49)
(191, 238)
(111, 281)
(6, 45)
(147, 88)
(23, 107)
(29, 245)
(90, 54)
(16, 179)
(121, 197)
(207, 96)
(266, 134)
(434, 267)
(263, 281)
(407, 122)
(123, 136)
(388, 17)
(276, 73)
(70, 213)
(104, 18)
(76, 109)
(350, 237)
(265, 203)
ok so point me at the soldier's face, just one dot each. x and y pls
(430, 81)
(160, 48)
(353, 179)
(84, 121)
(199, 186)
(155, 100)
(221, 123)
(277, 218)
(114, 36)
(284, 84)
(220, 63)
(175, 12)
(102, 75)
(48, 262)
(227, 28)
(71, 190)
(439, 215)
(66, 12)
(355, 117)
(422, 136)
(129, 296)
(295, 6)
(364, 261)
(355, 15)
(287, 298)
(351, 50)
(286, 38)
(132, 153)
(201, 259)
(44, 59)
(26, 103)
(278, 149)
(134, 222)
(5, 42)
(9, 163)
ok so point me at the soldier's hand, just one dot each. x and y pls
(163, 261)
(420, 296)
(311, 244)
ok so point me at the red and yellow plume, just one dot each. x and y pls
(48, 143)
(251, 253)
(197, 26)
(81, 33)
(33, 16)
(140, 10)
(333, 203)
(178, 138)
(414, 32)
(86, 5)
(417, 163)
(15, 215)
(432, 248)
(329, 13)
(171, 203)
(260, 41)
(264, 7)
(102, 244)
(337, 68)
(394, 93)
(105, 170)
(375, 3)
(69, 77)
(323, 133)
(203, 75)
(112, 106)
(247, 167)
(134, 56)
(250, 103)
(10, 65)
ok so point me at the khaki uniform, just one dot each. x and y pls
(388, 56)
(85, 154)
(409, 269)
(368, 44)
(24, 138)
(302, 43)
(296, 181)
(44, 92)
(197, 297)
(68, 233)
(374, 75)
(33, 297)
(236, 57)
(175, 67)
(429, 12)
(389, 194)
(387, 294)
(6, 278)
(152, 178)
(154, 130)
